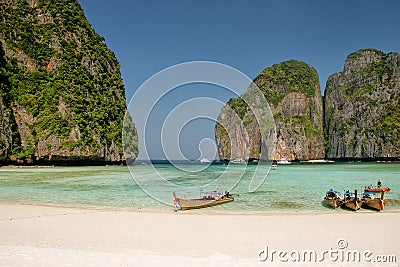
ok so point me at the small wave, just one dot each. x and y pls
(286, 204)
(261, 192)
(393, 202)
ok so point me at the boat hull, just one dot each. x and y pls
(352, 204)
(333, 203)
(188, 204)
(376, 204)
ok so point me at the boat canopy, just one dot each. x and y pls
(331, 191)
(210, 193)
(369, 193)
(349, 193)
(377, 189)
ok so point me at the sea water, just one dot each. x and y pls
(289, 188)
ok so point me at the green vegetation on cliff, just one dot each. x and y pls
(61, 82)
(278, 80)
(301, 124)
(292, 75)
(239, 106)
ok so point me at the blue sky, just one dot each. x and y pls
(148, 36)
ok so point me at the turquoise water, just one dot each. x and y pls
(291, 188)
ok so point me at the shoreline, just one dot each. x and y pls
(205, 211)
(42, 235)
(53, 164)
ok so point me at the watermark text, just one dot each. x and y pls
(340, 253)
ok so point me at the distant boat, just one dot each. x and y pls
(204, 160)
(274, 166)
(320, 161)
(283, 161)
(332, 199)
(208, 199)
(351, 201)
(238, 161)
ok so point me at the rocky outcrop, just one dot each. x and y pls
(293, 92)
(362, 107)
(62, 97)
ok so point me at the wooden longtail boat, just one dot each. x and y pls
(332, 199)
(207, 200)
(372, 200)
(351, 201)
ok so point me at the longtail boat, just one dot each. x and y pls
(351, 201)
(371, 201)
(332, 199)
(209, 199)
(371, 198)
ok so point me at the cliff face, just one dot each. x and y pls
(7, 122)
(292, 90)
(362, 107)
(62, 97)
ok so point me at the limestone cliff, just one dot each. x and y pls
(62, 97)
(293, 92)
(362, 107)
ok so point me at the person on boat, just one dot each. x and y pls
(379, 184)
(176, 205)
(347, 195)
(227, 195)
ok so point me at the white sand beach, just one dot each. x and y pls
(57, 236)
